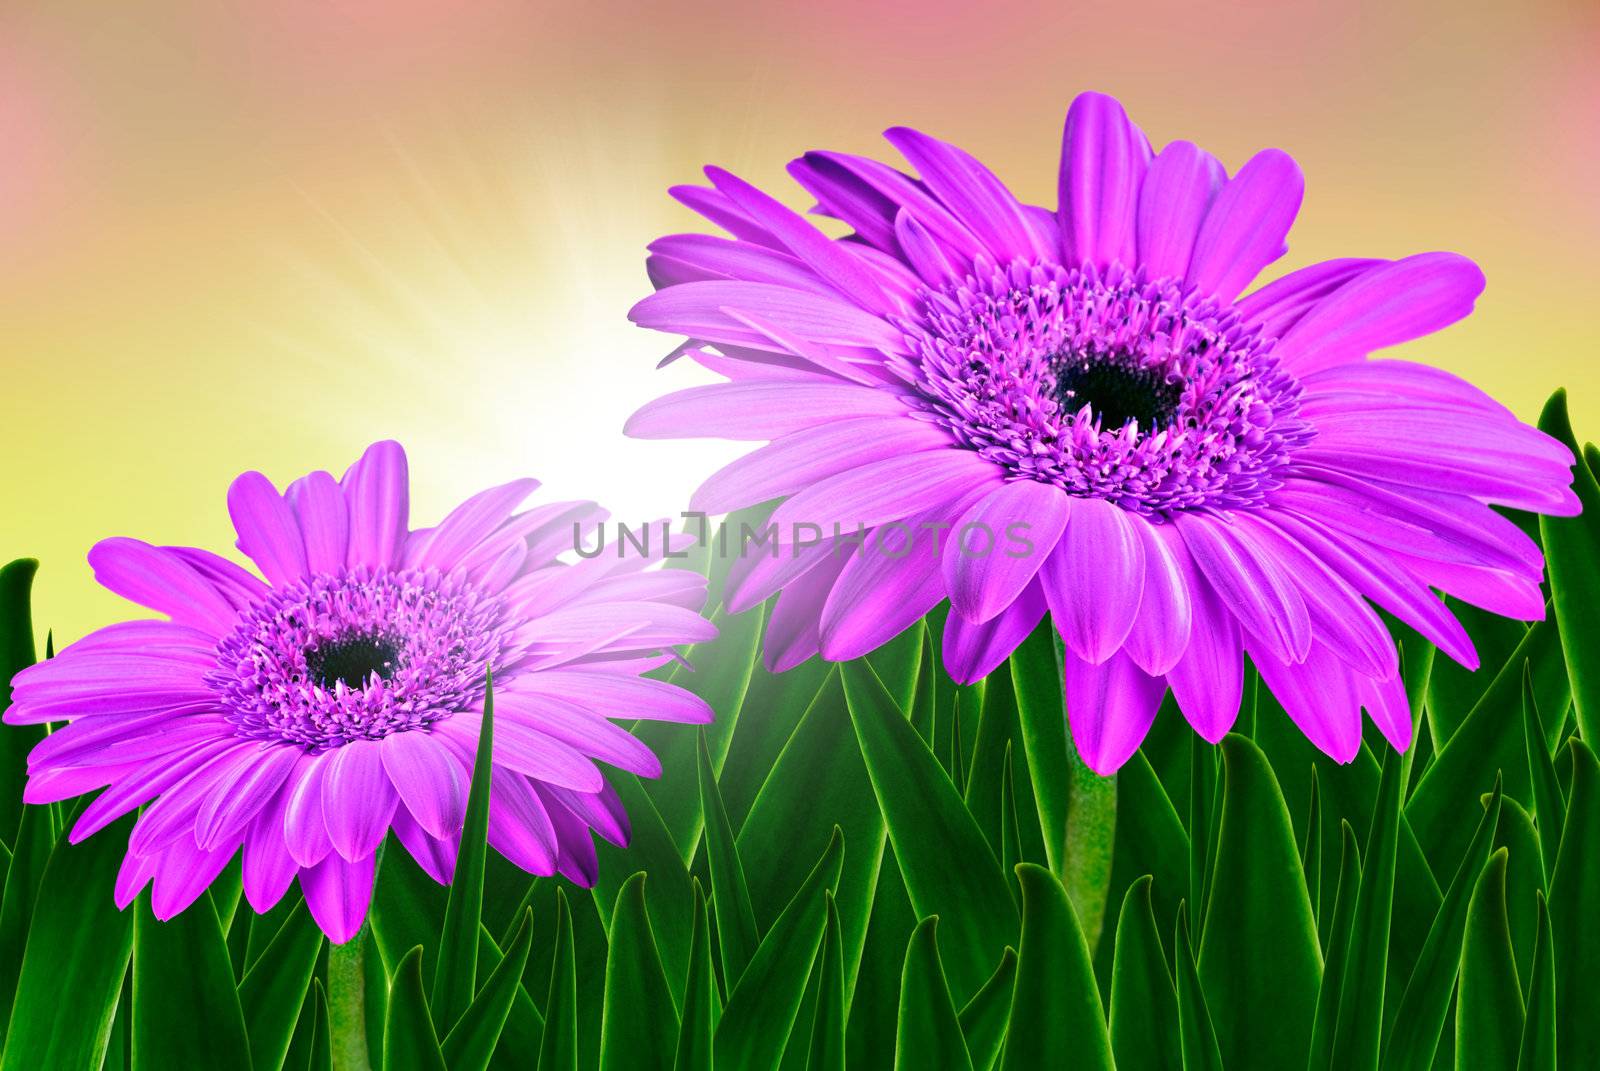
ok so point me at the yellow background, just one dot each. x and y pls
(262, 234)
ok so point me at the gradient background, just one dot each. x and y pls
(263, 234)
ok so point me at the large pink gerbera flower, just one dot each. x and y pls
(302, 717)
(1187, 475)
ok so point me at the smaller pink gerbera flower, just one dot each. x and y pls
(301, 717)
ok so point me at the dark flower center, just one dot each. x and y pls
(352, 659)
(1115, 392)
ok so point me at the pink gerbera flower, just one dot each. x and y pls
(1196, 476)
(301, 717)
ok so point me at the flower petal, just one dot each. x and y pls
(1014, 530)
(1095, 579)
(430, 782)
(1103, 160)
(378, 490)
(268, 531)
(1181, 183)
(338, 892)
(1246, 228)
(1385, 305)
(1110, 708)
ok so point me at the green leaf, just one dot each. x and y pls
(1525, 880)
(1487, 741)
(1360, 1031)
(1010, 836)
(761, 1010)
(455, 977)
(1198, 1038)
(1538, 1050)
(929, 1033)
(275, 987)
(987, 1014)
(640, 1024)
(1036, 679)
(407, 906)
(650, 849)
(75, 958)
(818, 781)
(1549, 805)
(1337, 950)
(16, 654)
(1055, 1007)
(1311, 859)
(827, 1026)
(311, 1047)
(701, 1005)
(1489, 1010)
(929, 826)
(524, 1023)
(721, 676)
(1453, 689)
(321, 1057)
(730, 896)
(23, 872)
(1572, 553)
(875, 998)
(558, 1049)
(471, 1043)
(1414, 1038)
(409, 1040)
(1144, 1004)
(185, 1007)
(1262, 1005)
(1150, 840)
(1574, 892)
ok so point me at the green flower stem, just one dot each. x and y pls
(347, 1026)
(1091, 830)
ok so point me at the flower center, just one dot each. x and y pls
(358, 655)
(1109, 385)
(1116, 392)
(352, 660)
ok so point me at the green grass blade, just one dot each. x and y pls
(1336, 951)
(1549, 805)
(1574, 892)
(701, 1007)
(1036, 679)
(185, 1008)
(471, 1043)
(827, 1025)
(1144, 1003)
(410, 1042)
(1489, 1011)
(455, 976)
(1197, 1037)
(1360, 1031)
(987, 1014)
(558, 1049)
(1414, 1038)
(17, 652)
(1262, 1005)
(929, 1032)
(929, 826)
(640, 1024)
(1572, 553)
(275, 987)
(75, 958)
(762, 1009)
(730, 896)
(1538, 1050)
(1055, 1007)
